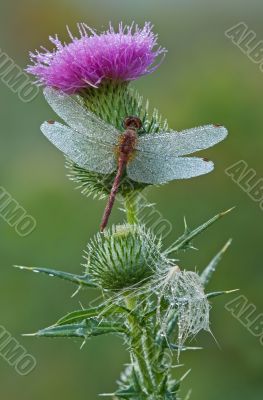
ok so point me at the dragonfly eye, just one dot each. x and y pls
(132, 122)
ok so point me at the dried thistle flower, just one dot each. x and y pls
(186, 300)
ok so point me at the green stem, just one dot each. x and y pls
(138, 350)
(146, 353)
(131, 207)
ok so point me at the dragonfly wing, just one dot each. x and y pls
(162, 169)
(184, 142)
(88, 154)
(80, 118)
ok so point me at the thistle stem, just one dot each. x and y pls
(146, 354)
(131, 206)
(142, 368)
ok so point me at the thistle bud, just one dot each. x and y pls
(123, 257)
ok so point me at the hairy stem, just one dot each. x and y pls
(137, 350)
(131, 200)
(147, 354)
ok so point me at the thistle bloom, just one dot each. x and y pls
(122, 55)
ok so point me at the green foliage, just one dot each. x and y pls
(80, 280)
(84, 329)
(102, 310)
(125, 260)
(184, 241)
(211, 268)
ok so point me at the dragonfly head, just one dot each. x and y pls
(132, 122)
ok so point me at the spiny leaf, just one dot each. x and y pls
(129, 380)
(176, 385)
(85, 329)
(210, 269)
(81, 280)
(124, 394)
(215, 294)
(80, 315)
(184, 241)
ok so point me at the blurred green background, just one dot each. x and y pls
(204, 78)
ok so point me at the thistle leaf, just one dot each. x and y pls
(184, 241)
(80, 315)
(206, 275)
(177, 384)
(81, 280)
(85, 329)
(124, 394)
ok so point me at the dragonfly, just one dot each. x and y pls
(151, 158)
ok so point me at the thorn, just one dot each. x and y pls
(186, 229)
(217, 343)
(185, 375)
(29, 334)
(228, 243)
(20, 267)
(211, 267)
(188, 395)
(227, 211)
(231, 291)
(76, 292)
(177, 366)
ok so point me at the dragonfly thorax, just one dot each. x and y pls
(132, 122)
(129, 138)
(127, 144)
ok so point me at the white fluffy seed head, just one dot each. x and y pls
(184, 295)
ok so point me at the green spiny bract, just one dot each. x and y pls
(112, 102)
(123, 256)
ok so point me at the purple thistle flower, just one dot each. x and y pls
(124, 55)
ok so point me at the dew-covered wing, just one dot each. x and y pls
(184, 142)
(84, 151)
(160, 169)
(80, 118)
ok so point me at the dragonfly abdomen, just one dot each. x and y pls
(125, 150)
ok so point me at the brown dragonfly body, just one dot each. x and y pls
(124, 153)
